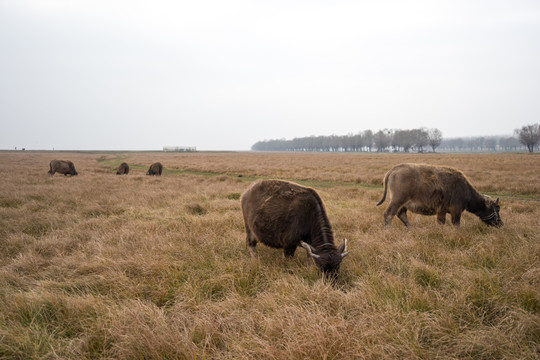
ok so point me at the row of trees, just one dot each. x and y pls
(399, 140)
(525, 138)
(382, 140)
(481, 144)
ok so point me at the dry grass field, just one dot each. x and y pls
(100, 266)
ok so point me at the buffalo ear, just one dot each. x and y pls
(309, 250)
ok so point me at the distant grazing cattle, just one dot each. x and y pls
(65, 167)
(155, 169)
(284, 215)
(435, 190)
(123, 169)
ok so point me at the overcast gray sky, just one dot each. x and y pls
(222, 75)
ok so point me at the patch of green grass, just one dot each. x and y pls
(529, 301)
(458, 241)
(37, 229)
(426, 277)
(485, 261)
(233, 196)
(103, 211)
(12, 246)
(248, 282)
(96, 342)
(196, 209)
(10, 203)
(215, 288)
(484, 298)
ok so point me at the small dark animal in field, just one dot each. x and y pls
(123, 169)
(285, 215)
(65, 167)
(155, 169)
(435, 190)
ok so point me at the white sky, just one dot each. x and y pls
(222, 75)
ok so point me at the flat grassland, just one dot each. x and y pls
(137, 267)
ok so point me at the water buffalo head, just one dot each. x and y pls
(327, 257)
(490, 216)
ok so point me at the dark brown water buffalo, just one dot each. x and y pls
(285, 215)
(435, 190)
(155, 169)
(65, 167)
(123, 169)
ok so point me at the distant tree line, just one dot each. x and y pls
(382, 140)
(527, 138)
(398, 140)
(482, 144)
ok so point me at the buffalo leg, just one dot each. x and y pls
(441, 217)
(402, 215)
(391, 212)
(251, 242)
(389, 215)
(456, 218)
(289, 251)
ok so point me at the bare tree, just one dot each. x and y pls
(509, 143)
(420, 138)
(382, 139)
(434, 138)
(491, 144)
(403, 139)
(367, 137)
(529, 135)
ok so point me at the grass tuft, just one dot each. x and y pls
(233, 196)
(196, 209)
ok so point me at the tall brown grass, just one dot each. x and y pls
(131, 267)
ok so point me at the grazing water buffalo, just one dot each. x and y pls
(63, 167)
(123, 169)
(155, 169)
(435, 190)
(285, 215)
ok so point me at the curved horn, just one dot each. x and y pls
(309, 250)
(343, 249)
